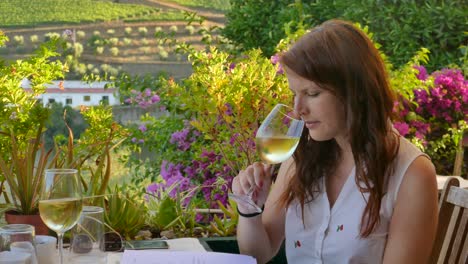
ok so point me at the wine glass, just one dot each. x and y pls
(60, 202)
(276, 140)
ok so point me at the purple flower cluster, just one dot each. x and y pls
(440, 107)
(275, 61)
(187, 177)
(231, 67)
(184, 138)
(144, 99)
(137, 141)
(139, 135)
(448, 99)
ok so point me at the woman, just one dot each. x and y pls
(354, 191)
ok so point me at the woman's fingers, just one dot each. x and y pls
(258, 174)
(254, 177)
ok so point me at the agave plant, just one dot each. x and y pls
(23, 157)
(124, 213)
(23, 172)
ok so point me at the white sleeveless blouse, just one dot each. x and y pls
(332, 236)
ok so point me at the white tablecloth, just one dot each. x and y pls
(178, 244)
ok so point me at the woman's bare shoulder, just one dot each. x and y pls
(420, 173)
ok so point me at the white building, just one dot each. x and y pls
(76, 93)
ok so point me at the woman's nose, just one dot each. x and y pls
(298, 106)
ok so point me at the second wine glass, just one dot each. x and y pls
(276, 140)
(60, 204)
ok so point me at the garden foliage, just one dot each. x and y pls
(402, 27)
(207, 134)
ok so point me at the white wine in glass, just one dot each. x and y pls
(274, 150)
(60, 204)
(276, 140)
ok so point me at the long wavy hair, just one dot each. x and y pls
(340, 58)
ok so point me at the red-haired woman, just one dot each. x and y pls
(355, 191)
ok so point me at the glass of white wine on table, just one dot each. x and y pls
(60, 203)
(276, 140)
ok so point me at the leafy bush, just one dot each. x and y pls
(144, 41)
(190, 29)
(402, 27)
(173, 29)
(207, 135)
(34, 39)
(260, 24)
(99, 50)
(114, 51)
(59, 117)
(80, 34)
(143, 31)
(128, 31)
(114, 41)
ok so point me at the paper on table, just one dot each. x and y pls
(183, 257)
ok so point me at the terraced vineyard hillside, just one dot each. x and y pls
(123, 35)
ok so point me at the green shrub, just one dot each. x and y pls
(163, 54)
(114, 41)
(143, 31)
(173, 29)
(190, 29)
(80, 34)
(128, 31)
(77, 49)
(99, 50)
(51, 35)
(144, 41)
(20, 49)
(401, 27)
(4, 50)
(260, 24)
(127, 41)
(114, 51)
(145, 50)
(34, 39)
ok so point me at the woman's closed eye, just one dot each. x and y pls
(314, 94)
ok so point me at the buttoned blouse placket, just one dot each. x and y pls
(330, 212)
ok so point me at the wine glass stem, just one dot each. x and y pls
(60, 246)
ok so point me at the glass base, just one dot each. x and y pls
(246, 201)
(86, 259)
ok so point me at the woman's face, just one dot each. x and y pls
(322, 112)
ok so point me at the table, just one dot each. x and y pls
(441, 179)
(177, 244)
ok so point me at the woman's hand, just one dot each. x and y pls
(257, 176)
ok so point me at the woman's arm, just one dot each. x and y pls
(414, 222)
(261, 236)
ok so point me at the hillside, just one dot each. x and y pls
(112, 36)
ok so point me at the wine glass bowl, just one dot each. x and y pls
(278, 135)
(60, 202)
(276, 140)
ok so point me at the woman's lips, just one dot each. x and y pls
(312, 124)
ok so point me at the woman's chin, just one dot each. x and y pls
(319, 137)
